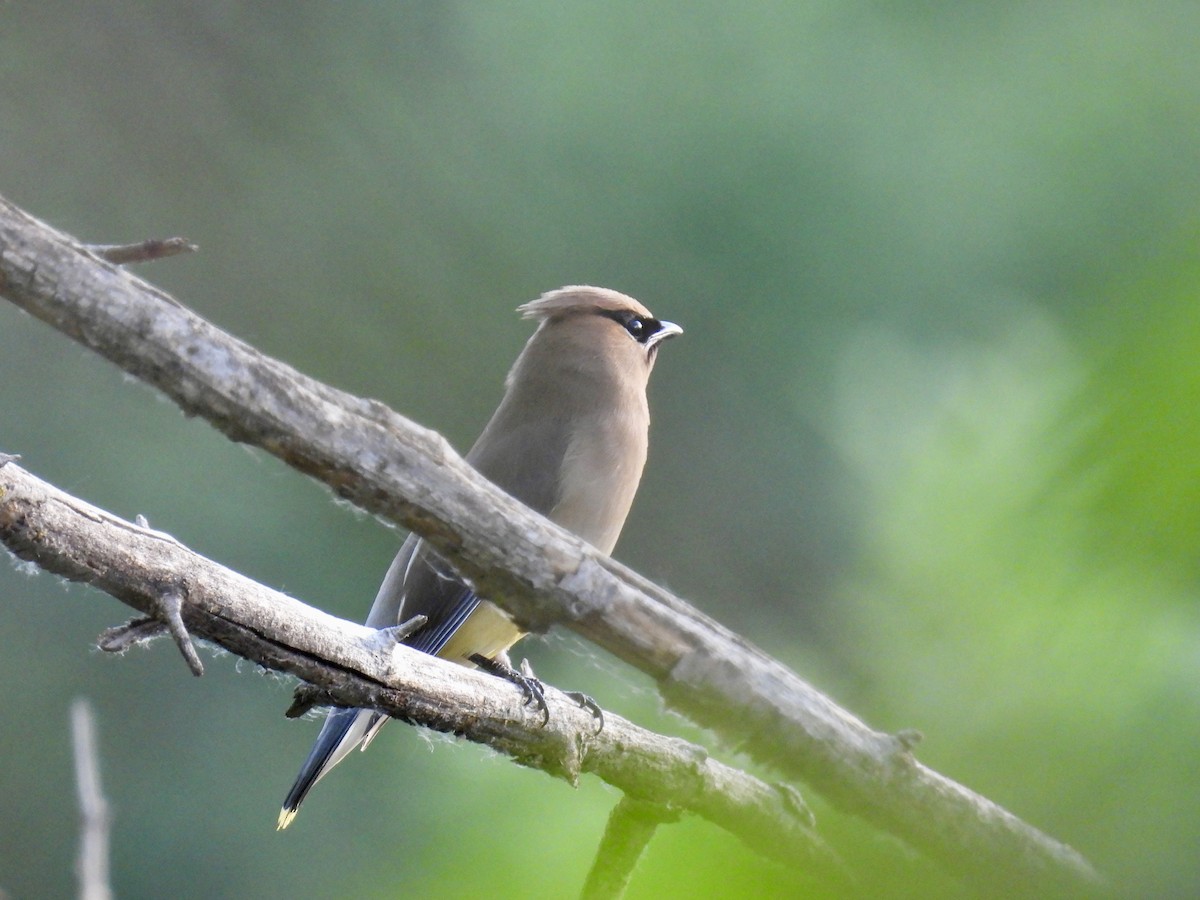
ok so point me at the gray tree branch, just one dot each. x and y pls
(357, 666)
(391, 467)
(631, 825)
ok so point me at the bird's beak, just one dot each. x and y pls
(665, 330)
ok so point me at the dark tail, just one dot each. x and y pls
(343, 730)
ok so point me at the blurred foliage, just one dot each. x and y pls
(930, 437)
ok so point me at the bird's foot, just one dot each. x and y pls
(534, 693)
(586, 702)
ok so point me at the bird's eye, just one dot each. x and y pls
(641, 328)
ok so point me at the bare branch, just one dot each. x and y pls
(93, 808)
(358, 666)
(143, 251)
(631, 825)
(120, 638)
(170, 606)
(394, 468)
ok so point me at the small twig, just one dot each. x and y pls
(170, 605)
(408, 627)
(93, 847)
(794, 802)
(907, 739)
(631, 824)
(143, 251)
(305, 697)
(120, 638)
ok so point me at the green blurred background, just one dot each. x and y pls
(931, 436)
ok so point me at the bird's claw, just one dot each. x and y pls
(531, 688)
(586, 702)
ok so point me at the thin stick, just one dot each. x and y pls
(92, 865)
(631, 824)
(142, 251)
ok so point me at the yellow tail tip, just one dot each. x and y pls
(285, 818)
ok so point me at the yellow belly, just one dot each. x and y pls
(488, 631)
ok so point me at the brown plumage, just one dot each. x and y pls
(568, 440)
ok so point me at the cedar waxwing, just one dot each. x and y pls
(569, 440)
